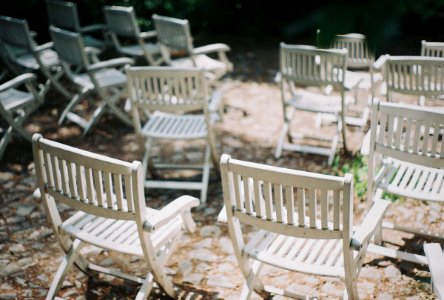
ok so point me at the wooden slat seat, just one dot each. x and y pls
(136, 50)
(318, 257)
(162, 125)
(105, 78)
(315, 102)
(114, 234)
(48, 57)
(13, 99)
(212, 66)
(411, 180)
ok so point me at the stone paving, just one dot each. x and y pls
(203, 266)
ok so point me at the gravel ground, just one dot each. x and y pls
(203, 266)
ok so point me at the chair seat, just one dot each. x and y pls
(48, 57)
(136, 49)
(202, 61)
(105, 78)
(411, 180)
(315, 102)
(319, 257)
(366, 82)
(13, 99)
(163, 125)
(119, 235)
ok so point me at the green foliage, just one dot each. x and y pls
(358, 168)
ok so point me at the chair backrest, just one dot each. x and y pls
(434, 49)
(408, 133)
(69, 46)
(415, 75)
(87, 181)
(308, 65)
(173, 33)
(15, 33)
(290, 202)
(357, 49)
(122, 21)
(63, 14)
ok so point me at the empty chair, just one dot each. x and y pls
(19, 97)
(167, 95)
(127, 37)
(22, 54)
(64, 15)
(360, 64)
(109, 212)
(406, 158)
(433, 49)
(303, 223)
(103, 77)
(418, 76)
(435, 257)
(302, 66)
(175, 40)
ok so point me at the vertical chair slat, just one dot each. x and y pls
(81, 182)
(90, 186)
(400, 123)
(55, 173)
(268, 201)
(64, 176)
(312, 203)
(247, 195)
(72, 180)
(289, 202)
(408, 132)
(108, 191)
(426, 138)
(278, 201)
(48, 169)
(324, 209)
(129, 193)
(258, 203)
(98, 186)
(416, 136)
(301, 206)
(237, 191)
(118, 190)
(336, 208)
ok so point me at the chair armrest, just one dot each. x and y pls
(178, 207)
(216, 101)
(365, 148)
(222, 217)
(92, 28)
(21, 79)
(435, 257)
(44, 46)
(122, 61)
(366, 230)
(211, 48)
(278, 77)
(148, 34)
(380, 62)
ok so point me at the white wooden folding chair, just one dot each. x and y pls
(435, 257)
(22, 54)
(123, 26)
(302, 66)
(433, 49)
(406, 158)
(168, 95)
(304, 222)
(420, 76)
(361, 66)
(106, 78)
(64, 15)
(174, 38)
(19, 97)
(110, 212)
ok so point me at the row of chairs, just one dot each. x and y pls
(341, 68)
(304, 220)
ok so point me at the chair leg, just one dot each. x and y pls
(98, 113)
(147, 163)
(5, 140)
(351, 289)
(146, 287)
(64, 268)
(76, 99)
(281, 141)
(117, 111)
(253, 283)
(205, 176)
